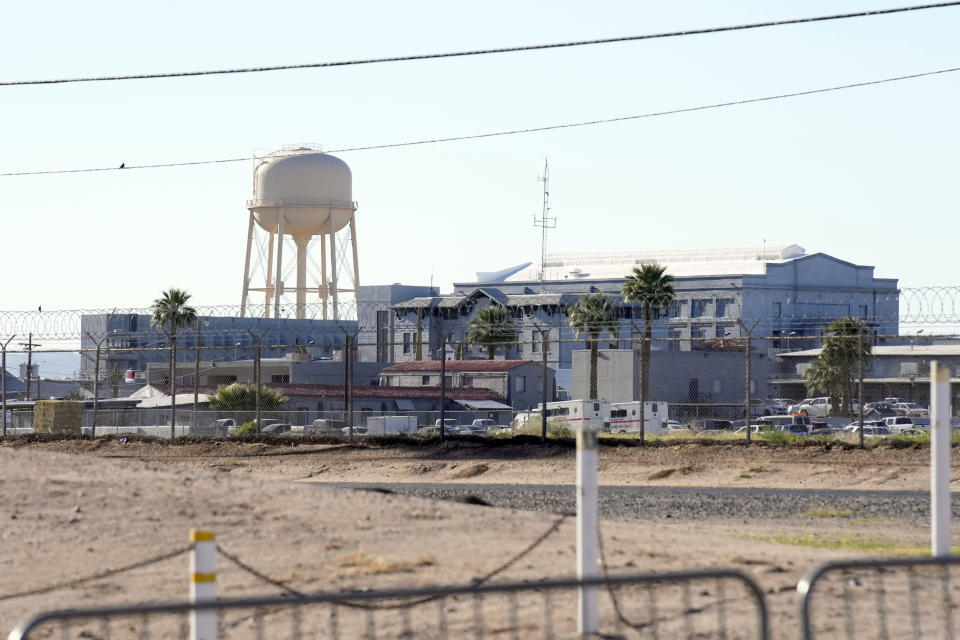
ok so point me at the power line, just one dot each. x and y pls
(480, 52)
(509, 132)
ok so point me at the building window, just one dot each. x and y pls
(534, 343)
(777, 310)
(698, 308)
(383, 335)
(424, 379)
(283, 378)
(723, 307)
(520, 384)
(406, 343)
(864, 309)
(675, 308)
(675, 336)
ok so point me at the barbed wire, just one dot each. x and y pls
(934, 305)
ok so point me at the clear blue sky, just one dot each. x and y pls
(867, 175)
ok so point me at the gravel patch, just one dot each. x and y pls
(686, 503)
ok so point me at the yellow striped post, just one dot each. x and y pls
(203, 584)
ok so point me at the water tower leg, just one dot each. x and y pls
(268, 287)
(356, 264)
(246, 270)
(333, 266)
(279, 287)
(302, 242)
(324, 293)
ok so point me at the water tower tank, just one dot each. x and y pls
(311, 187)
(306, 196)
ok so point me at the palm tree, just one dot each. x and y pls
(491, 329)
(651, 286)
(594, 315)
(171, 312)
(846, 349)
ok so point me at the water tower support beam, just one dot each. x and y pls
(279, 286)
(323, 276)
(268, 287)
(302, 241)
(356, 264)
(246, 269)
(333, 266)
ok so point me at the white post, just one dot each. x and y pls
(203, 584)
(587, 615)
(939, 459)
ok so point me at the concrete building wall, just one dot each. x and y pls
(675, 377)
(134, 343)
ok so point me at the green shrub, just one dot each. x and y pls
(247, 428)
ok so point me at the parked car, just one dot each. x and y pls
(224, 425)
(483, 426)
(276, 427)
(713, 424)
(893, 400)
(450, 425)
(357, 430)
(873, 431)
(755, 428)
(787, 422)
(911, 409)
(878, 409)
(896, 424)
(818, 407)
(779, 406)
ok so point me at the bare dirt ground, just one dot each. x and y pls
(73, 508)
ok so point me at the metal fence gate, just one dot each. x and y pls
(690, 604)
(881, 598)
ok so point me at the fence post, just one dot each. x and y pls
(256, 373)
(746, 392)
(940, 459)
(443, 387)
(587, 528)
(3, 383)
(203, 584)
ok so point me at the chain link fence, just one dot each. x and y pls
(813, 385)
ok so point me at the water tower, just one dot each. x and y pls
(302, 198)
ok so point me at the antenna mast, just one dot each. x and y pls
(544, 221)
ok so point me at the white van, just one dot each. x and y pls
(625, 417)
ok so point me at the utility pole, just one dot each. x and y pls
(544, 222)
(30, 344)
(544, 347)
(3, 382)
(96, 384)
(443, 387)
(643, 382)
(748, 333)
(348, 378)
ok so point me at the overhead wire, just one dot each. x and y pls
(480, 52)
(510, 132)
